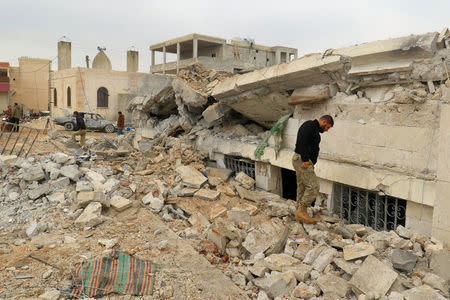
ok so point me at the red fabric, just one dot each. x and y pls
(4, 87)
(4, 65)
(121, 121)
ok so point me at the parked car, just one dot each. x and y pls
(93, 121)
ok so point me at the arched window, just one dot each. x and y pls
(69, 97)
(102, 97)
(55, 97)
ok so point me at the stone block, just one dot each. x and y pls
(223, 174)
(324, 259)
(329, 283)
(280, 208)
(276, 284)
(403, 232)
(111, 185)
(34, 173)
(84, 186)
(217, 211)
(227, 190)
(91, 216)
(237, 216)
(263, 237)
(423, 292)
(41, 190)
(304, 291)
(191, 177)
(439, 263)
(96, 179)
(215, 112)
(71, 171)
(215, 181)
(276, 262)
(84, 198)
(255, 196)
(207, 194)
(395, 296)
(437, 282)
(155, 203)
(217, 237)
(60, 158)
(259, 270)
(403, 260)
(35, 228)
(346, 233)
(52, 294)
(61, 183)
(120, 203)
(312, 254)
(358, 250)
(245, 180)
(301, 271)
(57, 197)
(348, 267)
(199, 221)
(373, 275)
(187, 192)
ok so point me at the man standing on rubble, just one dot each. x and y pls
(81, 129)
(16, 116)
(120, 123)
(304, 159)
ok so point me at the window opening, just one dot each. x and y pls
(55, 97)
(239, 164)
(69, 97)
(102, 97)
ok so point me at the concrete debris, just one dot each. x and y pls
(403, 260)
(207, 194)
(245, 180)
(358, 250)
(191, 177)
(332, 284)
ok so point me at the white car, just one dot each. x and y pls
(93, 121)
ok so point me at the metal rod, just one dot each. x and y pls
(342, 201)
(349, 204)
(43, 261)
(17, 139)
(357, 206)
(367, 209)
(24, 142)
(31, 146)
(376, 210)
(7, 141)
(385, 212)
(395, 215)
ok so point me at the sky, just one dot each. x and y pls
(32, 28)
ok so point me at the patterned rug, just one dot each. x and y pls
(119, 273)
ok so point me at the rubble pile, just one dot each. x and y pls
(202, 79)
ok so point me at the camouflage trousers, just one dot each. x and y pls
(307, 182)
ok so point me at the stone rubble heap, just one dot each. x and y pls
(278, 258)
(248, 233)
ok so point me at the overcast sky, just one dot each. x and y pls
(32, 28)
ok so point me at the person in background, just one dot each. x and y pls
(120, 123)
(81, 129)
(16, 116)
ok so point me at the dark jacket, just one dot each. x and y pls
(308, 139)
(80, 123)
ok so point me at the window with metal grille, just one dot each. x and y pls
(359, 206)
(102, 97)
(239, 164)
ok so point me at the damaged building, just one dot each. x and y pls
(385, 162)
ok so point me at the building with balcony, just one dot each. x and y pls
(216, 53)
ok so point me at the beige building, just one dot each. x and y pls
(98, 89)
(30, 83)
(215, 53)
(4, 86)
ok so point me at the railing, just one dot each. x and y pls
(16, 139)
(239, 164)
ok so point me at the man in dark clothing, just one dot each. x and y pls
(304, 159)
(81, 128)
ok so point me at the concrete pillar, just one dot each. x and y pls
(287, 56)
(178, 57)
(64, 55)
(195, 49)
(441, 221)
(132, 61)
(164, 60)
(152, 60)
(295, 55)
(277, 57)
(268, 177)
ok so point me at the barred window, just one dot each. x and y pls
(102, 97)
